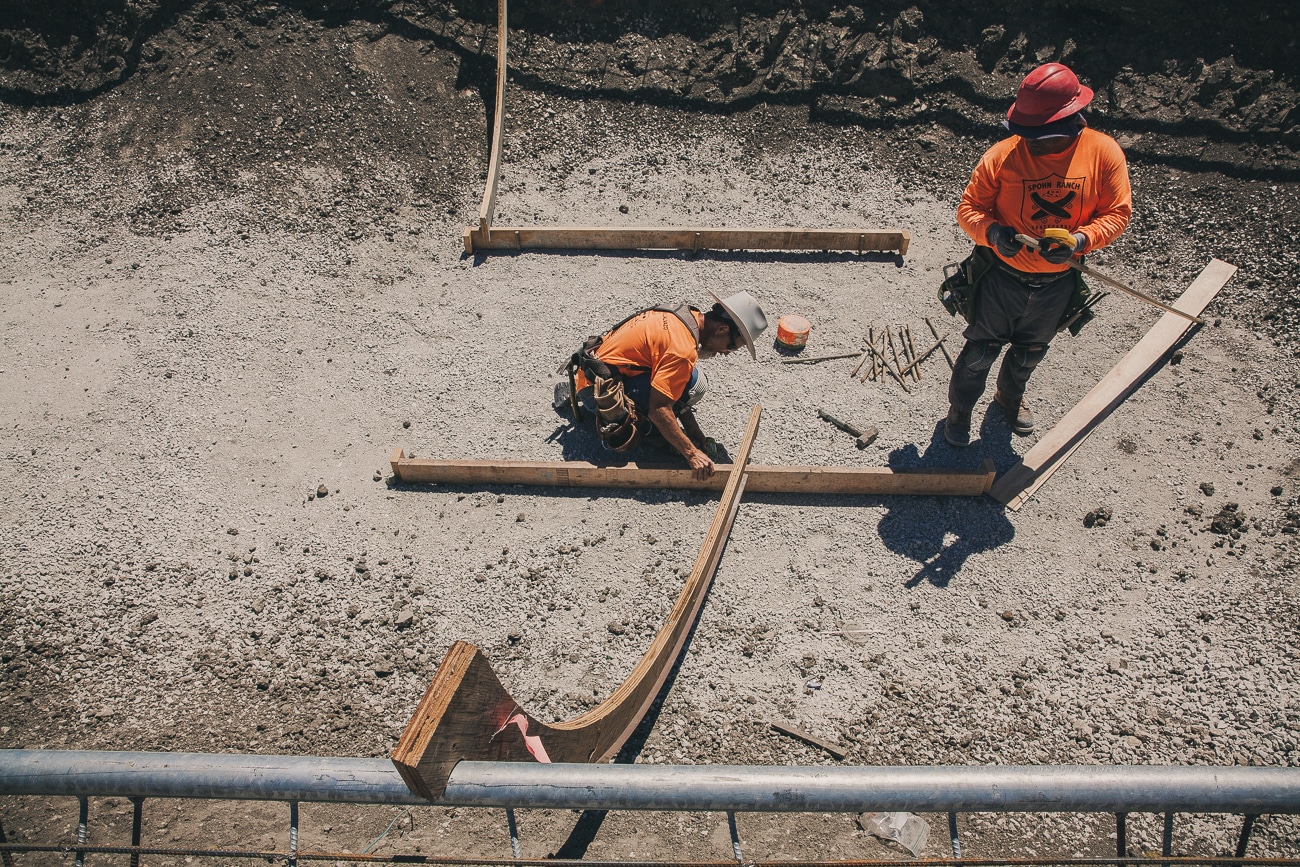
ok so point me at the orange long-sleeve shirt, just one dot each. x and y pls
(655, 341)
(1083, 189)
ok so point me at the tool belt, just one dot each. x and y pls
(960, 291)
(619, 422)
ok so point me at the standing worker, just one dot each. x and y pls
(1059, 181)
(643, 372)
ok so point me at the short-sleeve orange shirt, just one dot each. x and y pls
(655, 341)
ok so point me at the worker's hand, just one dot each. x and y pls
(1003, 239)
(701, 466)
(1058, 253)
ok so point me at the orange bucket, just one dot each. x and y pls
(792, 331)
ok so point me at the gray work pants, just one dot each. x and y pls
(1021, 312)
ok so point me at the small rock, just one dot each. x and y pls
(406, 424)
(520, 518)
(616, 628)
(404, 619)
(378, 477)
(1276, 490)
(1228, 519)
(1098, 517)
(322, 491)
(622, 209)
(1207, 488)
(382, 668)
(231, 531)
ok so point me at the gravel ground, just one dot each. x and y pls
(222, 310)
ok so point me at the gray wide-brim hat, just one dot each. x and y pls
(748, 316)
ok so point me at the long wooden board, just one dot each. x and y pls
(682, 238)
(488, 206)
(1020, 482)
(878, 481)
(467, 714)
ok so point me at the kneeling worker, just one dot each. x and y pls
(643, 371)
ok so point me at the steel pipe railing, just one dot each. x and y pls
(714, 788)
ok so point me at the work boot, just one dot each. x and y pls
(956, 428)
(1020, 416)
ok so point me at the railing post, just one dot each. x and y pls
(137, 817)
(1121, 835)
(1167, 839)
(514, 832)
(83, 816)
(293, 834)
(735, 837)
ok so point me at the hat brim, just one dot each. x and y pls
(1022, 119)
(740, 325)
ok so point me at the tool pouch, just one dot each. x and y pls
(618, 421)
(959, 292)
(1078, 312)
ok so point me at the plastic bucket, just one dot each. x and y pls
(792, 331)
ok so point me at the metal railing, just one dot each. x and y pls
(1122, 790)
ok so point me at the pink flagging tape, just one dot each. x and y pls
(532, 742)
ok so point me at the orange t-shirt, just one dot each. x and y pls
(1084, 189)
(655, 341)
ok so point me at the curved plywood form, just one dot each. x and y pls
(498, 126)
(467, 714)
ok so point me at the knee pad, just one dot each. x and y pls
(1027, 357)
(980, 354)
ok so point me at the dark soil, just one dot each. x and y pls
(1204, 103)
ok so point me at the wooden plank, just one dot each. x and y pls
(488, 206)
(1019, 483)
(683, 238)
(799, 734)
(467, 714)
(762, 478)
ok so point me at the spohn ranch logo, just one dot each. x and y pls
(1052, 201)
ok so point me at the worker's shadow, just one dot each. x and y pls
(940, 533)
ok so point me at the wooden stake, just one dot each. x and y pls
(799, 734)
(816, 358)
(935, 332)
(924, 355)
(913, 363)
(889, 334)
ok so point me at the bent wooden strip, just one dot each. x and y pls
(465, 712)
(1019, 483)
(762, 478)
(682, 238)
(488, 206)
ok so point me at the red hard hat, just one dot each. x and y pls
(1049, 93)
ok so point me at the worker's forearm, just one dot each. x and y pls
(692, 428)
(666, 422)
